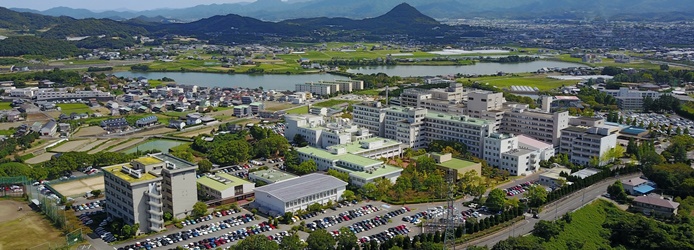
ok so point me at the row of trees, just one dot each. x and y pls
(70, 78)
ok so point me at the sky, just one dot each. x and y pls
(102, 5)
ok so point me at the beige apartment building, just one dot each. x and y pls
(142, 190)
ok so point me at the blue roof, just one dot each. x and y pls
(633, 130)
(644, 189)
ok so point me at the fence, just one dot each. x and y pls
(22, 181)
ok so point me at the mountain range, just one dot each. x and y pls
(403, 20)
(281, 10)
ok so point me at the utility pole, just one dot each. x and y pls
(449, 235)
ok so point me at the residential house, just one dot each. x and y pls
(650, 204)
(118, 124)
(49, 129)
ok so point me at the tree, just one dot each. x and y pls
(320, 240)
(347, 240)
(299, 140)
(199, 209)
(496, 200)
(204, 166)
(306, 167)
(230, 152)
(292, 242)
(96, 192)
(348, 195)
(616, 191)
(257, 241)
(370, 190)
(632, 147)
(546, 229)
(340, 175)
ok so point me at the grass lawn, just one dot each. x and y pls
(5, 106)
(27, 229)
(586, 227)
(609, 62)
(333, 102)
(299, 110)
(7, 132)
(542, 82)
(69, 108)
(367, 92)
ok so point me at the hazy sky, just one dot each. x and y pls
(110, 4)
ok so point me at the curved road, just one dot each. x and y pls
(551, 212)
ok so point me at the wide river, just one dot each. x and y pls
(286, 82)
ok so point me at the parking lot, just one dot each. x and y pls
(661, 120)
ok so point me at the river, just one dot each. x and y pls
(286, 82)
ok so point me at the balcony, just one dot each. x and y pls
(156, 221)
(153, 195)
(154, 204)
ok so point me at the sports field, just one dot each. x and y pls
(26, 229)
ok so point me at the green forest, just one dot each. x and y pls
(31, 45)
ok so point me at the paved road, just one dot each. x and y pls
(551, 212)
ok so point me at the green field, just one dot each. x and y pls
(609, 62)
(542, 82)
(27, 229)
(299, 110)
(333, 102)
(5, 106)
(586, 227)
(69, 108)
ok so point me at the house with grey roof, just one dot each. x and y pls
(298, 193)
(653, 204)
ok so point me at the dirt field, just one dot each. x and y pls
(193, 133)
(70, 146)
(79, 187)
(156, 131)
(25, 229)
(53, 114)
(89, 131)
(275, 106)
(104, 146)
(91, 145)
(126, 145)
(40, 158)
(38, 117)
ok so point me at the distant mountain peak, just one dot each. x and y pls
(406, 12)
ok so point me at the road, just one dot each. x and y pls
(551, 212)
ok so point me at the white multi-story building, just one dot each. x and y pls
(416, 127)
(631, 99)
(140, 192)
(330, 87)
(370, 116)
(439, 99)
(321, 133)
(504, 151)
(486, 105)
(584, 143)
(24, 92)
(298, 193)
(544, 126)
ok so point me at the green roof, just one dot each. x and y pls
(350, 158)
(355, 147)
(220, 186)
(148, 160)
(317, 152)
(378, 172)
(456, 118)
(273, 175)
(457, 164)
(116, 170)
(358, 160)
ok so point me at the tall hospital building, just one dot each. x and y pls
(142, 190)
